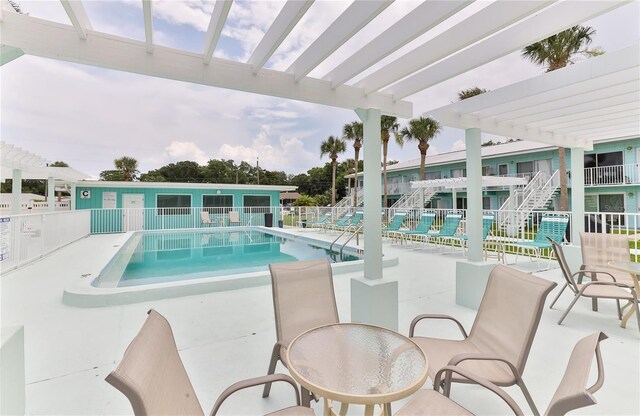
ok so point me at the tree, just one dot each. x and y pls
(59, 164)
(128, 167)
(556, 52)
(471, 92)
(354, 132)
(332, 147)
(305, 201)
(422, 130)
(388, 125)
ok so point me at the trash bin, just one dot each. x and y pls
(280, 224)
(268, 219)
(304, 223)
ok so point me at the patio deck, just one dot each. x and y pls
(227, 336)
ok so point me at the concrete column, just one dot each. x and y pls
(577, 194)
(474, 194)
(72, 200)
(374, 300)
(454, 196)
(51, 194)
(16, 192)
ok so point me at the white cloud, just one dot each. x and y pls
(458, 145)
(179, 151)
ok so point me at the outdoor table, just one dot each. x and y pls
(634, 270)
(357, 364)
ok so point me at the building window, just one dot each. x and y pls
(486, 202)
(604, 168)
(503, 170)
(256, 203)
(487, 171)
(217, 204)
(432, 175)
(458, 173)
(608, 204)
(173, 204)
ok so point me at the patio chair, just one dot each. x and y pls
(341, 222)
(394, 226)
(448, 229)
(487, 225)
(353, 223)
(552, 227)
(596, 288)
(152, 376)
(572, 392)
(320, 222)
(205, 219)
(423, 226)
(501, 336)
(598, 249)
(234, 218)
(303, 298)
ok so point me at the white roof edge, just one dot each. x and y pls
(228, 186)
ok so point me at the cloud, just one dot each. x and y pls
(179, 151)
(458, 145)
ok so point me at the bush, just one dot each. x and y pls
(305, 201)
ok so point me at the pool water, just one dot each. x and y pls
(175, 256)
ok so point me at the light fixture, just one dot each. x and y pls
(629, 147)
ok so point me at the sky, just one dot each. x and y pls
(88, 116)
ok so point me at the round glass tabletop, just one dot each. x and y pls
(357, 363)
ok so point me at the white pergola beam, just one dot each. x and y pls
(613, 134)
(415, 23)
(599, 118)
(8, 54)
(78, 16)
(53, 40)
(147, 11)
(621, 66)
(597, 129)
(544, 24)
(492, 18)
(289, 16)
(218, 17)
(578, 118)
(357, 15)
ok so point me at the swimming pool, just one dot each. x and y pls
(158, 257)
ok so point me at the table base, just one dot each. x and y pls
(385, 409)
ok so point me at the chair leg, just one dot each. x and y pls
(275, 356)
(573, 302)
(528, 397)
(558, 296)
(619, 309)
(305, 396)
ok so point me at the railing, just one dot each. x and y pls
(27, 237)
(118, 220)
(612, 175)
(30, 208)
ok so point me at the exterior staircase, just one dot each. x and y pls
(347, 202)
(413, 200)
(535, 196)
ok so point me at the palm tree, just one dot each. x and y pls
(557, 52)
(471, 92)
(354, 132)
(422, 130)
(128, 167)
(388, 125)
(332, 147)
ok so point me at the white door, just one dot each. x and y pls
(544, 165)
(132, 212)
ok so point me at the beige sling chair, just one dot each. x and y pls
(303, 298)
(572, 393)
(153, 378)
(501, 336)
(602, 285)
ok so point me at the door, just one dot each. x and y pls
(132, 212)
(544, 166)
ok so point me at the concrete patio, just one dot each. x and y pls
(227, 336)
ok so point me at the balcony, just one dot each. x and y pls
(612, 175)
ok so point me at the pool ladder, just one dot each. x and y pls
(356, 233)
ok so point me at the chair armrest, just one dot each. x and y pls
(435, 316)
(478, 380)
(252, 382)
(601, 283)
(594, 274)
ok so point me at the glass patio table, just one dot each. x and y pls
(634, 270)
(357, 364)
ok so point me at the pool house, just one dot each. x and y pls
(56, 356)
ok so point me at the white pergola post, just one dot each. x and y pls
(454, 196)
(577, 194)
(16, 191)
(472, 274)
(51, 190)
(474, 194)
(374, 300)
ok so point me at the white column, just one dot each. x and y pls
(16, 191)
(474, 194)
(577, 194)
(454, 196)
(373, 190)
(51, 191)
(374, 300)
(72, 199)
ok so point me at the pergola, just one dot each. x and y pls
(494, 31)
(18, 164)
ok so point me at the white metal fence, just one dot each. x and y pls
(27, 237)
